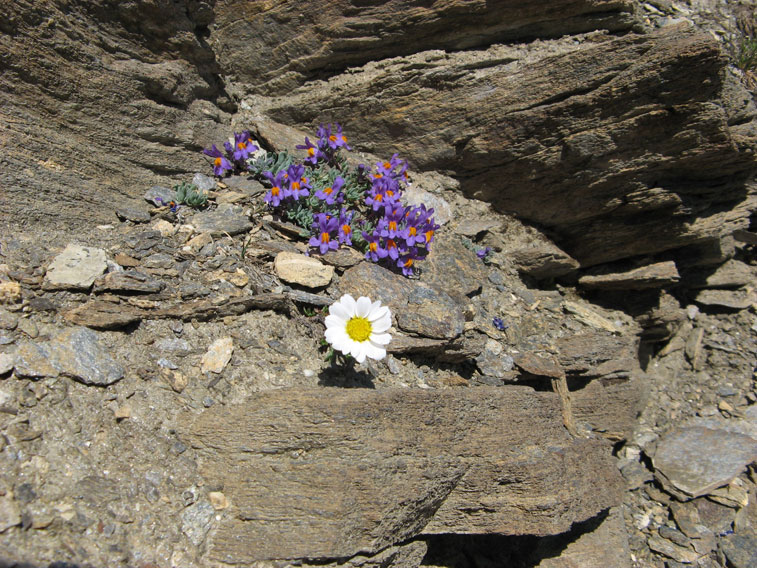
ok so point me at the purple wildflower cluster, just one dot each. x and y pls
(236, 155)
(287, 186)
(329, 142)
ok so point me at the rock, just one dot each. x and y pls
(125, 260)
(76, 268)
(694, 461)
(731, 299)
(129, 281)
(225, 219)
(160, 196)
(122, 413)
(218, 500)
(541, 259)
(10, 292)
(245, 185)
(196, 520)
(74, 352)
(494, 362)
(164, 227)
(100, 314)
(530, 149)
(10, 515)
(197, 242)
(344, 257)
(732, 274)
(604, 546)
(671, 550)
(204, 183)
(453, 269)
(597, 354)
(334, 38)
(303, 270)
(431, 313)
(133, 214)
(378, 283)
(589, 316)
(8, 320)
(503, 453)
(415, 196)
(538, 366)
(741, 550)
(28, 328)
(7, 362)
(658, 275)
(218, 355)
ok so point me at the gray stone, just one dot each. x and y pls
(671, 550)
(694, 461)
(133, 214)
(415, 196)
(453, 268)
(431, 313)
(741, 550)
(7, 362)
(731, 299)
(225, 219)
(76, 268)
(75, 353)
(304, 270)
(204, 183)
(493, 361)
(10, 515)
(8, 320)
(732, 274)
(245, 185)
(159, 195)
(195, 521)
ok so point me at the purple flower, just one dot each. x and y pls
(220, 164)
(298, 183)
(322, 240)
(406, 262)
(331, 139)
(390, 224)
(278, 192)
(243, 146)
(314, 153)
(499, 324)
(345, 229)
(375, 251)
(386, 169)
(330, 194)
(482, 253)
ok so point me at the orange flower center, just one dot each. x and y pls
(346, 229)
(325, 237)
(429, 234)
(217, 162)
(390, 244)
(378, 197)
(275, 190)
(389, 192)
(373, 247)
(332, 138)
(344, 139)
(378, 176)
(387, 165)
(295, 185)
(408, 263)
(413, 231)
(311, 152)
(328, 190)
(392, 225)
(241, 145)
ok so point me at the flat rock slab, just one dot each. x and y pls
(74, 353)
(304, 270)
(325, 473)
(76, 268)
(658, 275)
(731, 299)
(694, 461)
(130, 281)
(226, 218)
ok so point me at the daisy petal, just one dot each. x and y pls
(374, 351)
(363, 306)
(333, 321)
(380, 338)
(382, 324)
(377, 313)
(348, 303)
(339, 310)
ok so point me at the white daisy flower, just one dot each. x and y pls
(358, 328)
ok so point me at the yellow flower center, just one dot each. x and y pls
(359, 329)
(311, 152)
(217, 162)
(413, 231)
(295, 185)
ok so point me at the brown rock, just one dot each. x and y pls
(304, 270)
(659, 275)
(731, 299)
(453, 268)
(732, 274)
(330, 470)
(128, 281)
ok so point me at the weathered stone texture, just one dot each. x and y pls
(620, 146)
(332, 472)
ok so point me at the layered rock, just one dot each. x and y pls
(618, 146)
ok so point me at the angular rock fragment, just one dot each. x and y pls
(218, 355)
(304, 270)
(659, 275)
(730, 299)
(732, 274)
(694, 461)
(130, 281)
(76, 268)
(453, 269)
(75, 353)
(333, 472)
(225, 219)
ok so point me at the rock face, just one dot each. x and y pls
(329, 473)
(520, 128)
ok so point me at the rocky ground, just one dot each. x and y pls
(113, 334)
